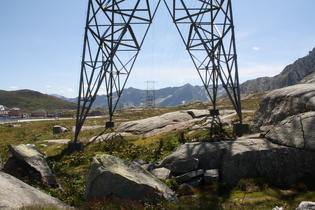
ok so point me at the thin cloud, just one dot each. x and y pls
(14, 87)
(70, 90)
(64, 90)
(256, 48)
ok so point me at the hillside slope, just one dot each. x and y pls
(291, 75)
(29, 100)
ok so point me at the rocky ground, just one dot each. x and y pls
(282, 151)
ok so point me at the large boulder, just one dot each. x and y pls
(295, 131)
(28, 162)
(279, 104)
(306, 205)
(59, 129)
(209, 155)
(152, 126)
(111, 176)
(247, 157)
(184, 165)
(149, 124)
(15, 194)
(280, 165)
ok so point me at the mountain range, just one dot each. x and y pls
(170, 96)
(301, 71)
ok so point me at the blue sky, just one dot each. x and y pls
(41, 44)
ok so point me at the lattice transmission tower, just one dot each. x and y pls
(150, 96)
(115, 31)
(207, 30)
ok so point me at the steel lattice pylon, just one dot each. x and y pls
(114, 34)
(207, 31)
(116, 29)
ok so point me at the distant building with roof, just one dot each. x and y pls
(40, 113)
(15, 112)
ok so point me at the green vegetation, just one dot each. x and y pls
(39, 207)
(29, 101)
(72, 170)
(249, 101)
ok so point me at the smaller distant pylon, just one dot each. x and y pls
(150, 97)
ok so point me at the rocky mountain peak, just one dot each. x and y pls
(292, 74)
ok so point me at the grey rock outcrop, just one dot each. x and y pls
(167, 122)
(248, 157)
(173, 121)
(173, 126)
(310, 79)
(260, 84)
(149, 124)
(211, 176)
(295, 131)
(181, 166)
(189, 176)
(106, 136)
(209, 155)
(198, 113)
(280, 165)
(111, 176)
(15, 194)
(58, 141)
(161, 173)
(59, 129)
(279, 104)
(306, 205)
(27, 161)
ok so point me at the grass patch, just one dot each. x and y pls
(40, 207)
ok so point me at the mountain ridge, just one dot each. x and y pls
(292, 74)
(300, 71)
(169, 96)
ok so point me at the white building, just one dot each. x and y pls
(2, 108)
(3, 112)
